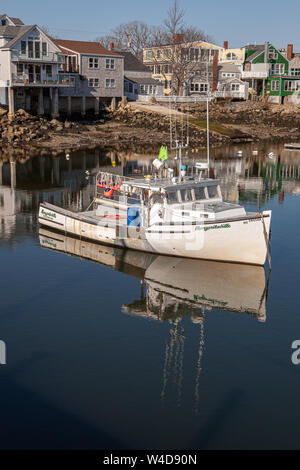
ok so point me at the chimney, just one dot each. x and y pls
(178, 38)
(266, 52)
(215, 73)
(225, 44)
(290, 53)
(112, 46)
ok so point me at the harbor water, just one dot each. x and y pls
(102, 348)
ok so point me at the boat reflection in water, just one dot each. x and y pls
(172, 288)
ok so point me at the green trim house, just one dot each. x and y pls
(267, 70)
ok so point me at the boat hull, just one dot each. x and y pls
(240, 240)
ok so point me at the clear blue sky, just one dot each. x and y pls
(239, 22)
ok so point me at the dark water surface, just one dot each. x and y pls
(197, 356)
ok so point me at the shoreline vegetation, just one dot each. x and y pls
(132, 126)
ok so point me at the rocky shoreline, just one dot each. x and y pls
(129, 127)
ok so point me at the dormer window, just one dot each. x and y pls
(3, 22)
(272, 55)
(231, 56)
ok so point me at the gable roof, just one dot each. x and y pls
(16, 21)
(84, 47)
(13, 32)
(257, 50)
(132, 64)
(17, 32)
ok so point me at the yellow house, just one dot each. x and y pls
(159, 59)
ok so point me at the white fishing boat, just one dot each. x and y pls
(181, 216)
(164, 216)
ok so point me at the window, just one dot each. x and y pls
(212, 191)
(158, 54)
(93, 63)
(93, 82)
(277, 69)
(110, 64)
(272, 55)
(199, 194)
(110, 83)
(149, 55)
(295, 72)
(186, 195)
(202, 87)
(235, 87)
(292, 85)
(166, 53)
(23, 47)
(30, 49)
(194, 54)
(19, 68)
(44, 48)
(275, 85)
(37, 51)
(228, 75)
(172, 197)
(49, 69)
(231, 56)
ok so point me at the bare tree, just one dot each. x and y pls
(134, 36)
(181, 58)
(174, 23)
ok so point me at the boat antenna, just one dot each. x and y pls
(207, 116)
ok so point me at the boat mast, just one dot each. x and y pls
(207, 117)
(179, 145)
(207, 130)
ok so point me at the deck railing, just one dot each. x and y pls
(38, 79)
(32, 57)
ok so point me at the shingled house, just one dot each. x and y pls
(29, 68)
(99, 75)
(138, 81)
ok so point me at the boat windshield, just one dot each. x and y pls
(212, 191)
(194, 194)
(199, 193)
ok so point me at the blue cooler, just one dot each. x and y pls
(133, 217)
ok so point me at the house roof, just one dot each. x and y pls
(131, 63)
(14, 33)
(84, 47)
(16, 21)
(229, 68)
(295, 62)
(258, 49)
(144, 80)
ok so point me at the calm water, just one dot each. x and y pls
(120, 350)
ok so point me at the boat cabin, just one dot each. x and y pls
(167, 200)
